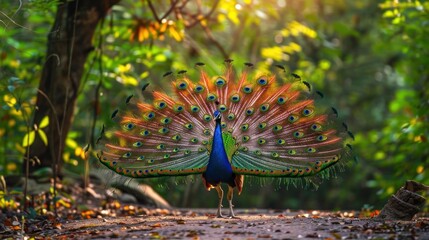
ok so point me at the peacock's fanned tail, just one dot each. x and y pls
(270, 129)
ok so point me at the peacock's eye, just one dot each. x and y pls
(250, 111)
(298, 134)
(207, 118)
(316, 127)
(293, 118)
(231, 116)
(220, 82)
(307, 112)
(178, 108)
(235, 97)
(166, 120)
(280, 141)
(281, 100)
(182, 85)
(163, 130)
(129, 126)
(137, 144)
(144, 132)
(211, 97)
(321, 138)
(264, 107)
(277, 128)
(222, 108)
(245, 138)
(247, 89)
(160, 104)
(262, 81)
(244, 127)
(195, 109)
(198, 89)
(176, 137)
(262, 125)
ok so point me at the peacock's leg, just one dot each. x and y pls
(229, 197)
(220, 194)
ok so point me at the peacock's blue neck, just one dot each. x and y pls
(219, 168)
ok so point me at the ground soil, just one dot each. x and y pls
(251, 224)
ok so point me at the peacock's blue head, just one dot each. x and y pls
(217, 115)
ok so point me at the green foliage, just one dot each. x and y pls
(369, 60)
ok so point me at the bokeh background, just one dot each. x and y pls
(369, 58)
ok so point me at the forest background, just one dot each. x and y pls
(369, 58)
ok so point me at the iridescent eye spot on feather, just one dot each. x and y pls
(321, 138)
(129, 126)
(244, 149)
(201, 149)
(195, 109)
(235, 98)
(298, 134)
(166, 156)
(220, 82)
(316, 127)
(193, 140)
(204, 142)
(291, 152)
(223, 125)
(149, 116)
(311, 150)
(281, 100)
(160, 104)
(145, 132)
(163, 130)
(244, 127)
(182, 85)
(292, 118)
(245, 138)
(187, 152)
(198, 88)
(307, 112)
(250, 111)
(137, 144)
(176, 150)
(222, 108)
(211, 97)
(206, 132)
(178, 108)
(126, 155)
(207, 117)
(140, 158)
(247, 89)
(258, 152)
(277, 128)
(262, 81)
(274, 155)
(261, 141)
(150, 161)
(176, 137)
(262, 126)
(231, 116)
(165, 120)
(280, 141)
(189, 126)
(160, 146)
(264, 107)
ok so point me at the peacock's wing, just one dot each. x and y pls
(278, 131)
(169, 137)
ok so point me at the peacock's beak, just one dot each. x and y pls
(217, 115)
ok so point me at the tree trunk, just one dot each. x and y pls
(69, 43)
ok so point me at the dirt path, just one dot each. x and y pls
(257, 224)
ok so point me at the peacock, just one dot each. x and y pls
(225, 127)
